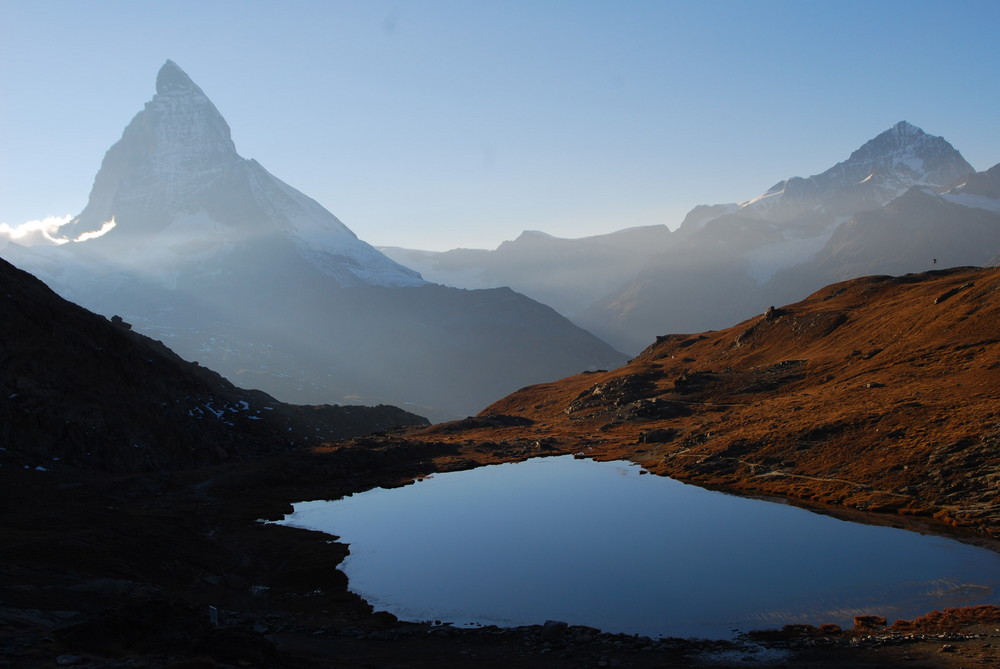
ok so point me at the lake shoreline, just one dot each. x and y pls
(599, 544)
(112, 568)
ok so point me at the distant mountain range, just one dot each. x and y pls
(905, 201)
(234, 268)
(566, 274)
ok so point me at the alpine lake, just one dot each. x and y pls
(603, 545)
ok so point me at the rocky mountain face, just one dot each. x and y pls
(882, 169)
(207, 250)
(78, 389)
(185, 205)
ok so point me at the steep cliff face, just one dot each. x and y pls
(183, 202)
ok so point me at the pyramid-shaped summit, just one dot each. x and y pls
(172, 79)
(180, 195)
(904, 147)
(237, 270)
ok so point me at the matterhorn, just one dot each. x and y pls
(230, 266)
(179, 195)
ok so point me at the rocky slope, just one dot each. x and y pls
(80, 390)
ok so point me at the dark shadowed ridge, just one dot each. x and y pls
(80, 389)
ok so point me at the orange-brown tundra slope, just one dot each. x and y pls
(880, 394)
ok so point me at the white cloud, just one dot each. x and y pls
(42, 232)
(105, 228)
(34, 233)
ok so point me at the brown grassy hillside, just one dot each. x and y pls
(881, 394)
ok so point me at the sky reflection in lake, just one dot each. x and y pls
(597, 544)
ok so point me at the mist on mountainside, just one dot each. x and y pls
(565, 274)
(232, 267)
(905, 201)
(236, 269)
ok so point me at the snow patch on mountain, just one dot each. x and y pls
(972, 201)
(881, 170)
(765, 261)
(322, 239)
(761, 205)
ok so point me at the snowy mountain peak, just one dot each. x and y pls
(907, 145)
(905, 129)
(181, 195)
(881, 169)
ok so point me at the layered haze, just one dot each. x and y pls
(904, 201)
(754, 246)
(234, 268)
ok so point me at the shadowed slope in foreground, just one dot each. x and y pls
(77, 389)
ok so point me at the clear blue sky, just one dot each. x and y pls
(437, 124)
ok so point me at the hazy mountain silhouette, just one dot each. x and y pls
(566, 274)
(898, 217)
(883, 168)
(239, 270)
(727, 261)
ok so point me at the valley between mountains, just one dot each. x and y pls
(874, 398)
(833, 342)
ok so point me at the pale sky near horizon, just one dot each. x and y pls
(459, 123)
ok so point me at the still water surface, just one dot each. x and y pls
(593, 543)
